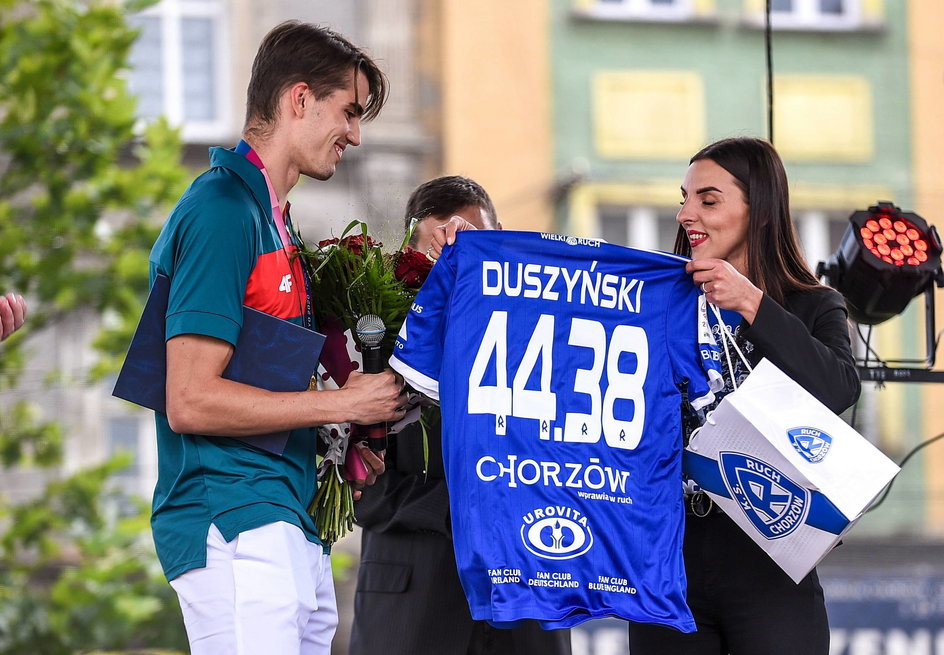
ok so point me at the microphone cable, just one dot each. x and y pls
(904, 461)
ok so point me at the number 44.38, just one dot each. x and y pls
(541, 404)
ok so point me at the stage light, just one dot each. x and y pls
(885, 258)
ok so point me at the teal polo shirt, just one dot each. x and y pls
(221, 249)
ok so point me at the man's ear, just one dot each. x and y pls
(298, 97)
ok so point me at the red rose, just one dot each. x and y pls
(412, 268)
(355, 243)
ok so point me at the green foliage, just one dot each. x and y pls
(82, 188)
(79, 186)
(74, 576)
(26, 440)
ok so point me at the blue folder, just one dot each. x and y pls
(271, 353)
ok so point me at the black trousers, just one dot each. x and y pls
(409, 601)
(743, 603)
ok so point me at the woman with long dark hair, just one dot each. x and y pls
(735, 224)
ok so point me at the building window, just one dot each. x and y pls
(636, 9)
(648, 228)
(655, 228)
(126, 435)
(178, 67)
(815, 14)
(123, 438)
(820, 232)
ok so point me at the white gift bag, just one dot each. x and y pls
(793, 475)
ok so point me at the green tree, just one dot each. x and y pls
(74, 576)
(82, 187)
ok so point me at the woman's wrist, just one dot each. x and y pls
(751, 305)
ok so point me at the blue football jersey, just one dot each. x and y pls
(559, 364)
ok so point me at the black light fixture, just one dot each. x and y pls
(885, 258)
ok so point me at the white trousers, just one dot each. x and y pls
(269, 591)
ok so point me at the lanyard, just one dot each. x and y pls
(306, 274)
(283, 223)
(246, 150)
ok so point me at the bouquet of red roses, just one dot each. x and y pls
(351, 276)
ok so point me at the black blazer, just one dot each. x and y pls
(411, 496)
(808, 339)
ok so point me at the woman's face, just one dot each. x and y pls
(714, 214)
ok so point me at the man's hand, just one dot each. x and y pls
(445, 235)
(374, 398)
(12, 314)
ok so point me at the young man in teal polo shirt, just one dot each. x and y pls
(229, 519)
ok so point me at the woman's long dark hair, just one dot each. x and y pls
(774, 261)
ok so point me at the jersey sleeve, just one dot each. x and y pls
(696, 360)
(208, 254)
(418, 352)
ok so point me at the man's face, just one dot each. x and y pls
(330, 126)
(422, 233)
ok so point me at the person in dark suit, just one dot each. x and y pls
(409, 600)
(735, 224)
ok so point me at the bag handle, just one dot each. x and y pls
(727, 337)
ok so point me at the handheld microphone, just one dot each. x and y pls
(370, 331)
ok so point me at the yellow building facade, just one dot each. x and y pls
(926, 22)
(494, 125)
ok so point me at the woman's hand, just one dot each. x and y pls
(445, 235)
(725, 287)
(373, 463)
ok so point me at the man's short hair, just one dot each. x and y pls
(444, 196)
(295, 52)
